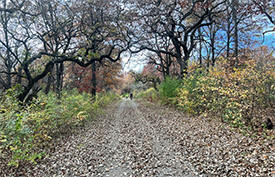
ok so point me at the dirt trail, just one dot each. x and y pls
(140, 147)
(141, 140)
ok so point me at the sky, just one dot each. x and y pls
(270, 40)
(138, 61)
(135, 62)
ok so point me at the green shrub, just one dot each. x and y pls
(168, 89)
(189, 96)
(241, 96)
(150, 94)
(27, 130)
(102, 100)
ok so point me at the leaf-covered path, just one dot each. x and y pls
(133, 139)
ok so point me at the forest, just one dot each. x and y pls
(62, 62)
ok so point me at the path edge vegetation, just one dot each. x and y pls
(26, 131)
(241, 97)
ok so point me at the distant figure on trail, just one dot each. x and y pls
(131, 96)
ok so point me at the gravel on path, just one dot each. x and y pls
(138, 140)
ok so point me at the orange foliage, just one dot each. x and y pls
(107, 75)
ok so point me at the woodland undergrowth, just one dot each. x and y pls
(26, 130)
(242, 95)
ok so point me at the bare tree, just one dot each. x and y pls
(172, 19)
(7, 45)
(101, 31)
(60, 32)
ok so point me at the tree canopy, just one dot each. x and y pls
(39, 38)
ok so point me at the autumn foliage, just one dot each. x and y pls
(242, 94)
(25, 134)
(107, 75)
(239, 92)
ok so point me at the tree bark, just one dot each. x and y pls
(235, 19)
(19, 77)
(228, 32)
(32, 81)
(8, 61)
(212, 40)
(59, 78)
(200, 49)
(93, 91)
(49, 83)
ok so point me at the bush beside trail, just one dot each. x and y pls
(243, 95)
(25, 131)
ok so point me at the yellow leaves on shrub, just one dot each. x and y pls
(2, 138)
(236, 94)
(149, 94)
(13, 148)
(47, 137)
(40, 137)
(82, 115)
(183, 92)
(43, 103)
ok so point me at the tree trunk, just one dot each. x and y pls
(9, 75)
(235, 19)
(26, 91)
(212, 40)
(168, 65)
(164, 74)
(61, 75)
(228, 33)
(181, 74)
(185, 65)
(200, 49)
(167, 71)
(8, 61)
(93, 91)
(208, 63)
(49, 83)
(155, 84)
(33, 81)
(59, 78)
(19, 77)
(162, 64)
